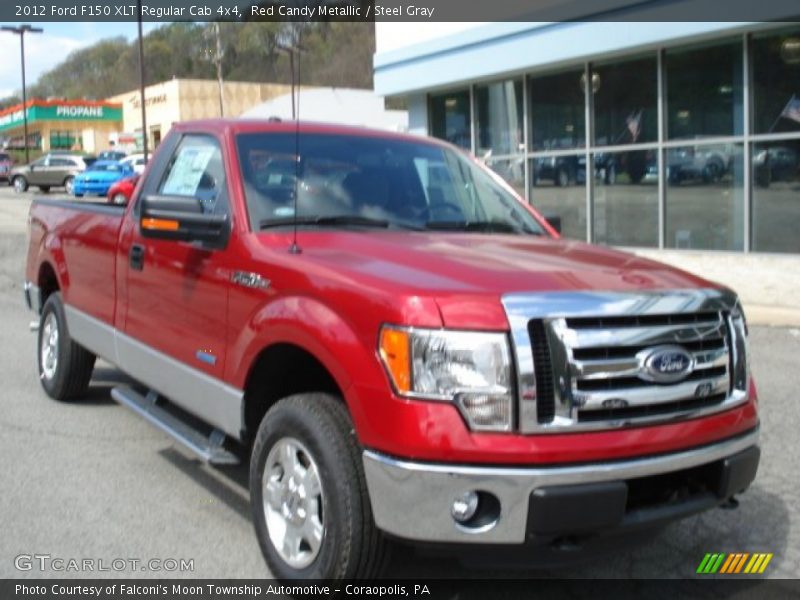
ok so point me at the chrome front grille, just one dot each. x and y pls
(582, 357)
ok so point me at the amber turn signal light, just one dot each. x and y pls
(396, 354)
(160, 224)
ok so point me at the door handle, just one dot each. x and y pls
(136, 257)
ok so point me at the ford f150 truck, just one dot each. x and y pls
(403, 346)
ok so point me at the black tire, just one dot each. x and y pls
(69, 377)
(20, 184)
(351, 545)
(44, 188)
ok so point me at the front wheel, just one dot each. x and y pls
(308, 493)
(20, 184)
(65, 367)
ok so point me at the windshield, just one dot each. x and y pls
(99, 166)
(364, 181)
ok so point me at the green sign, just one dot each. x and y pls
(61, 112)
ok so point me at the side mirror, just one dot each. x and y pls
(554, 221)
(181, 218)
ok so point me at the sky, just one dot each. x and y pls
(43, 51)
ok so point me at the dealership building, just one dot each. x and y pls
(57, 124)
(186, 99)
(660, 135)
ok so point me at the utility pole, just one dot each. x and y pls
(218, 61)
(21, 31)
(141, 79)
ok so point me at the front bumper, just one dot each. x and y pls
(413, 500)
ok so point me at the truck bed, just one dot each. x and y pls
(85, 234)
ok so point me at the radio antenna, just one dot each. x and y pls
(295, 43)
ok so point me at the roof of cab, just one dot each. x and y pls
(236, 126)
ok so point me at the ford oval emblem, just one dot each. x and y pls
(665, 364)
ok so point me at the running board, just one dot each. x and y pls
(208, 447)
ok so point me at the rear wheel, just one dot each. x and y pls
(20, 184)
(310, 505)
(65, 367)
(119, 199)
(69, 184)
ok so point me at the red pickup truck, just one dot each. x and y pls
(404, 347)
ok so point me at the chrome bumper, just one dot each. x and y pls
(33, 297)
(412, 500)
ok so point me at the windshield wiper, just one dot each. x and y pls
(479, 226)
(325, 221)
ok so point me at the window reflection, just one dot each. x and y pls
(450, 118)
(776, 82)
(557, 111)
(499, 118)
(553, 194)
(704, 91)
(626, 198)
(705, 197)
(625, 106)
(776, 196)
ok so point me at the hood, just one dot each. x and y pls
(467, 273)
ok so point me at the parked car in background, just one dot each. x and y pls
(115, 155)
(51, 170)
(6, 164)
(99, 177)
(136, 161)
(122, 190)
(778, 163)
(566, 170)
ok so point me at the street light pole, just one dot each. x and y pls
(21, 31)
(141, 79)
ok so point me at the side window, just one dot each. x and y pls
(196, 169)
(61, 162)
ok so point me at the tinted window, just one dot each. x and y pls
(776, 82)
(61, 162)
(450, 118)
(704, 91)
(196, 169)
(625, 112)
(557, 111)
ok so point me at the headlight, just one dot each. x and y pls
(471, 369)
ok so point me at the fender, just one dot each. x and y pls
(311, 325)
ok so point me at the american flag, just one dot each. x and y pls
(792, 109)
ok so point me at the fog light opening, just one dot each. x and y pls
(475, 511)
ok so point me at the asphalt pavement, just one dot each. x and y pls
(90, 480)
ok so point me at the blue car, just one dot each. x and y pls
(100, 176)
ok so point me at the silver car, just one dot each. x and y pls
(50, 170)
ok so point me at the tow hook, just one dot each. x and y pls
(730, 504)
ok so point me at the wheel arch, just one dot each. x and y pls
(282, 369)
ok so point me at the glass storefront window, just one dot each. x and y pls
(556, 189)
(499, 118)
(705, 197)
(512, 170)
(450, 118)
(625, 105)
(776, 82)
(704, 91)
(626, 198)
(776, 196)
(556, 110)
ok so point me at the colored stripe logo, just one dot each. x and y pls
(737, 562)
